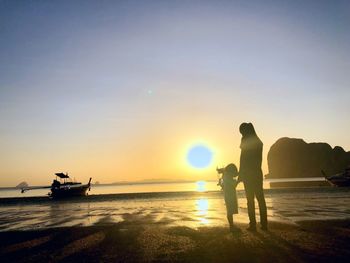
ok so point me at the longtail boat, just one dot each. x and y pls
(340, 179)
(63, 187)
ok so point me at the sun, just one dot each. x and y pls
(199, 156)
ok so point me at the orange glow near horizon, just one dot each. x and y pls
(138, 157)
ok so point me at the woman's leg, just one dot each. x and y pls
(259, 193)
(249, 192)
(230, 220)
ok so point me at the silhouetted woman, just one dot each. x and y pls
(251, 174)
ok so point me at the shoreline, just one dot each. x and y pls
(190, 209)
(150, 195)
(306, 241)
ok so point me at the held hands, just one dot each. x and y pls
(235, 184)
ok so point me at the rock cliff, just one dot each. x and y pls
(294, 158)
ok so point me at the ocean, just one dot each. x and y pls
(187, 204)
(199, 186)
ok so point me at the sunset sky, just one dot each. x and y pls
(121, 90)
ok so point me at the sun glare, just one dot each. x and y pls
(199, 156)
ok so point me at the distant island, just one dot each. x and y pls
(294, 158)
(22, 185)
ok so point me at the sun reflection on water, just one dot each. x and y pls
(202, 206)
(201, 186)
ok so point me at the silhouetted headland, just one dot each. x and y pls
(294, 158)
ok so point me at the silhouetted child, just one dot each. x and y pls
(228, 184)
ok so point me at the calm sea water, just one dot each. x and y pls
(199, 186)
(194, 206)
(125, 188)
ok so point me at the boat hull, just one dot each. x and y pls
(340, 182)
(69, 191)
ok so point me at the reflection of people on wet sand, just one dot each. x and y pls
(251, 174)
(228, 184)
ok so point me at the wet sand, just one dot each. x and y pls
(307, 241)
(189, 209)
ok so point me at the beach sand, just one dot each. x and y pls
(308, 241)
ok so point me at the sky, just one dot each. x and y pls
(123, 90)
